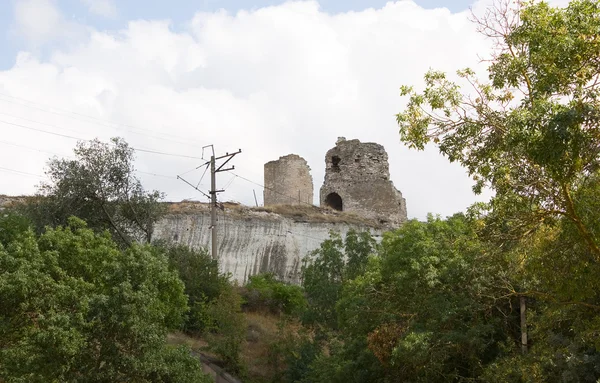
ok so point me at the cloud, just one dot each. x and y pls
(105, 8)
(40, 21)
(272, 81)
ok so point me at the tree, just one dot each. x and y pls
(201, 277)
(77, 308)
(264, 291)
(98, 186)
(328, 267)
(532, 132)
(227, 328)
(429, 308)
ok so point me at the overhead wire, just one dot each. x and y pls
(228, 184)
(31, 148)
(70, 156)
(203, 174)
(19, 172)
(293, 198)
(97, 121)
(83, 139)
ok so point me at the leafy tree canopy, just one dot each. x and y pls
(100, 187)
(532, 131)
(77, 308)
(325, 271)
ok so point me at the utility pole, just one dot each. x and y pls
(213, 206)
(213, 194)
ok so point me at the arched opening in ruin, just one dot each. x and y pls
(334, 201)
(335, 163)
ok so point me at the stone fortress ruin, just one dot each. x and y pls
(357, 180)
(288, 181)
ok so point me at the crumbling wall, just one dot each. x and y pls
(357, 179)
(288, 181)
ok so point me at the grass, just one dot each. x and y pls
(298, 213)
(263, 329)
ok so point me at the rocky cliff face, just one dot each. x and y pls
(253, 241)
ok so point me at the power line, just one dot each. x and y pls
(31, 148)
(203, 174)
(273, 190)
(69, 156)
(157, 175)
(228, 184)
(105, 123)
(19, 172)
(83, 139)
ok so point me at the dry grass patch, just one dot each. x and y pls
(299, 213)
(316, 214)
(179, 338)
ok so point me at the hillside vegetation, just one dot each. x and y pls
(507, 291)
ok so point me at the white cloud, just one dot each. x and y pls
(277, 80)
(105, 8)
(40, 21)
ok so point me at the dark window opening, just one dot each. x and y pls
(335, 162)
(334, 201)
(357, 160)
(175, 237)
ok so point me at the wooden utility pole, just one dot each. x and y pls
(213, 195)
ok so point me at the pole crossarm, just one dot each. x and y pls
(229, 157)
(213, 189)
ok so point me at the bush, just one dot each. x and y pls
(77, 308)
(263, 290)
(227, 328)
(202, 280)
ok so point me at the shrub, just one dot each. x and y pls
(263, 290)
(77, 308)
(202, 280)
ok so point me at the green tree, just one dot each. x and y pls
(429, 308)
(100, 187)
(201, 277)
(531, 133)
(265, 291)
(77, 308)
(227, 328)
(326, 270)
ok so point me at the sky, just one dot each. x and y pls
(267, 77)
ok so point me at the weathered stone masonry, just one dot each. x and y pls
(357, 179)
(288, 182)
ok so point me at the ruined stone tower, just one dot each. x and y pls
(288, 181)
(357, 179)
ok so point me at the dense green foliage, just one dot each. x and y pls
(325, 271)
(77, 308)
(532, 135)
(100, 187)
(202, 279)
(227, 327)
(215, 305)
(265, 291)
